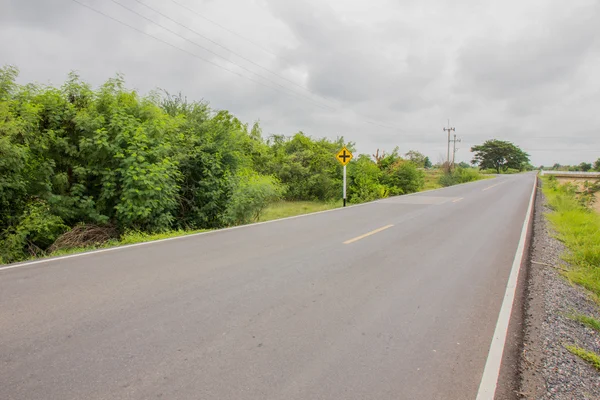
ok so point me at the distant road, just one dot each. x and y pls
(395, 299)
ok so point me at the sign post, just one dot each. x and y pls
(344, 156)
(344, 186)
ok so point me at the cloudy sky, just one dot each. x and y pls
(382, 73)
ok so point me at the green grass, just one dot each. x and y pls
(586, 355)
(139, 237)
(132, 237)
(587, 321)
(284, 209)
(579, 229)
(432, 178)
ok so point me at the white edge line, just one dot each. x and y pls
(127, 246)
(491, 372)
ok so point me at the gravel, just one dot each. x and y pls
(549, 370)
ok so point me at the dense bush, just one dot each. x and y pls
(364, 181)
(460, 175)
(111, 159)
(252, 193)
(307, 167)
(404, 177)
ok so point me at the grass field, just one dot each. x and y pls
(432, 178)
(284, 209)
(578, 228)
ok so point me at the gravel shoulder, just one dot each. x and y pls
(548, 369)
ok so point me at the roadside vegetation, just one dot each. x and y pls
(285, 209)
(461, 175)
(586, 355)
(581, 167)
(588, 321)
(84, 168)
(577, 225)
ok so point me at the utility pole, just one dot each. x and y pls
(449, 129)
(454, 152)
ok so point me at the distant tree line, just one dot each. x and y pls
(582, 167)
(72, 156)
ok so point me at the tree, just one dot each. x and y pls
(585, 167)
(364, 178)
(499, 155)
(427, 163)
(403, 177)
(416, 158)
(597, 165)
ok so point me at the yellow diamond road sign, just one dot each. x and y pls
(344, 156)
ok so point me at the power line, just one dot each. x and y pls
(221, 46)
(365, 118)
(220, 56)
(293, 93)
(229, 30)
(175, 47)
(454, 141)
(449, 129)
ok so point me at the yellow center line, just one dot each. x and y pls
(457, 200)
(367, 234)
(489, 187)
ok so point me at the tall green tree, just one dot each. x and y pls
(585, 167)
(427, 163)
(499, 155)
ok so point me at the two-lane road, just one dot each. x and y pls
(396, 299)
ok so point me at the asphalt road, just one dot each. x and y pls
(282, 310)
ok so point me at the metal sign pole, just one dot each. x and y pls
(344, 186)
(344, 156)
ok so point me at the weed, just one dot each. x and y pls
(586, 355)
(587, 321)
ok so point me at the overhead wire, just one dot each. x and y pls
(293, 92)
(365, 119)
(221, 46)
(229, 30)
(171, 45)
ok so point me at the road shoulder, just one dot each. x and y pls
(548, 369)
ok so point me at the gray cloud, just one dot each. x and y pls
(521, 71)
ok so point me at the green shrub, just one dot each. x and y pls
(579, 229)
(448, 179)
(251, 195)
(404, 177)
(465, 175)
(35, 232)
(460, 175)
(363, 181)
